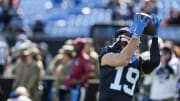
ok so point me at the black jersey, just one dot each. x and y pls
(119, 83)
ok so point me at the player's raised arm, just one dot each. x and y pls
(149, 65)
(123, 58)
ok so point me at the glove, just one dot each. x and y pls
(157, 24)
(139, 24)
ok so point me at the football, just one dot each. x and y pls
(150, 29)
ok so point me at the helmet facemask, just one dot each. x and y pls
(122, 39)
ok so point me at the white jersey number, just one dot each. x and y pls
(132, 76)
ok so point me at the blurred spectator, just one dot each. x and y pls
(6, 16)
(20, 94)
(93, 55)
(58, 59)
(149, 7)
(111, 4)
(20, 39)
(62, 72)
(163, 79)
(176, 49)
(121, 9)
(46, 55)
(9, 11)
(81, 71)
(175, 18)
(4, 53)
(38, 27)
(15, 25)
(172, 18)
(146, 79)
(1, 17)
(46, 58)
(53, 64)
(69, 42)
(37, 57)
(28, 72)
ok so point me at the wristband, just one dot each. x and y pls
(136, 37)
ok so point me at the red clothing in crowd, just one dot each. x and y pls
(80, 70)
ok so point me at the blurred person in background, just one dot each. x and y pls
(9, 13)
(82, 69)
(51, 70)
(57, 59)
(1, 16)
(121, 9)
(174, 63)
(20, 39)
(164, 79)
(37, 58)
(20, 94)
(93, 55)
(36, 55)
(46, 55)
(145, 85)
(173, 18)
(149, 7)
(4, 53)
(176, 49)
(89, 49)
(62, 72)
(69, 42)
(28, 72)
(16, 24)
(6, 9)
(38, 27)
(53, 64)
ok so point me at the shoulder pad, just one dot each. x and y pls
(103, 51)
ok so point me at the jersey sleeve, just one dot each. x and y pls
(149, 65)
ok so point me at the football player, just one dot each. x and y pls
(120, 68)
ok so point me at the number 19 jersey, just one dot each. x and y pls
(118, 83)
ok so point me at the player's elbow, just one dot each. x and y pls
(151, 67)
(155, 62)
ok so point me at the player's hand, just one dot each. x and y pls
(139, 24)
(157, 24)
